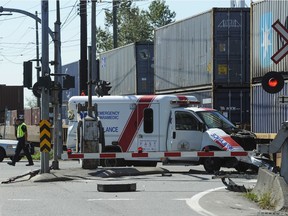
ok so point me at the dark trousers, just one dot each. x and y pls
(22, 145)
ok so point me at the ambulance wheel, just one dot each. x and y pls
(111, 162)
(242, 167)
(115, 162)
(211, 165)
(144, 163)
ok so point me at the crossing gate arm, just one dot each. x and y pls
(153, 155)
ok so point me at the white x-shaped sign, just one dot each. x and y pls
(283, 32)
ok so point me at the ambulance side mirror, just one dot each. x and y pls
(201, 126)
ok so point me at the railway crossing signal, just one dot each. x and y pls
(283, 51)
(273, 82)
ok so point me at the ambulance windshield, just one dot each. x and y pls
(214, 119)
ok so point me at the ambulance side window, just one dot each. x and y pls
(148, 120)
(185, 121)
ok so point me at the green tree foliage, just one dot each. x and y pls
(104, 40)
(30, 102)
(159, 14)
(133, 23)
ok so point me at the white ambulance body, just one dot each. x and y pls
(159, 123)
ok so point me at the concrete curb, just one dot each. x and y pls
(269, 182)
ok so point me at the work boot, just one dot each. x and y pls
(11, 163)
(30, 164)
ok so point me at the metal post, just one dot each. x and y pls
(83, 49)
(93, 56)
(38, 69)
(115, 24)
(57, 69)
(45, 71)
(90, 129)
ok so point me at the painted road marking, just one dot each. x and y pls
(22, 200)
(193, 203)
(110, 199)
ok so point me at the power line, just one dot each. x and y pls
(73, 7)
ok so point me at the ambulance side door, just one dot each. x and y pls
(186, 131)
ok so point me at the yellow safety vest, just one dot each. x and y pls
(20, 132)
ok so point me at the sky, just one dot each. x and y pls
(18, 32)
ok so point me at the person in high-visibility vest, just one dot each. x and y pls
(22, 138)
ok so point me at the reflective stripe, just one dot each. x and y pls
(20, 132)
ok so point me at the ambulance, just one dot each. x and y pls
(162, 123)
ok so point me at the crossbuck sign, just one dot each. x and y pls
(283, 32)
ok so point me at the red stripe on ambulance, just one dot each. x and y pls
(133, 124)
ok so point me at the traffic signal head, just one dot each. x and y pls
(68, 82)
(273, 82)
(27, 74)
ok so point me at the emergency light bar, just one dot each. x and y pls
(184, 103)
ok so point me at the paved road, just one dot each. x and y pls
(188, 191)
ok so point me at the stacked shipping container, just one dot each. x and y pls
(208, 56)
(267, 113)
(129, 69)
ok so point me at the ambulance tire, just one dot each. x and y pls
(211, 165)
(242, 167)
(143, 163)
(116, 162)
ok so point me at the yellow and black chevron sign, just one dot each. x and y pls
(45, 136)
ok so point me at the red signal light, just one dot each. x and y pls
(273, 82)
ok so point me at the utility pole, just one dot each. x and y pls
(115, 24)
(57, 92)
(93, 55)
(83, 49)
(45, 72)
(38, 68)
(90, 123)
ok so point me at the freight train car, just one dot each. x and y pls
(207, 54)
(267, 112)
(130, 69)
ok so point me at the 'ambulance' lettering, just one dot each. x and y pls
(111, 129)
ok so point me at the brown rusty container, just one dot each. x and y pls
(13, 116)
(27, 116)
(35, 116)
(11, 97)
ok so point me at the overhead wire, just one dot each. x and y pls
(13, 49)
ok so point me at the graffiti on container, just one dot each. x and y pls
(229, 23)
(222, 108)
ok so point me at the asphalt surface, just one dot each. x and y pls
(231, 200)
